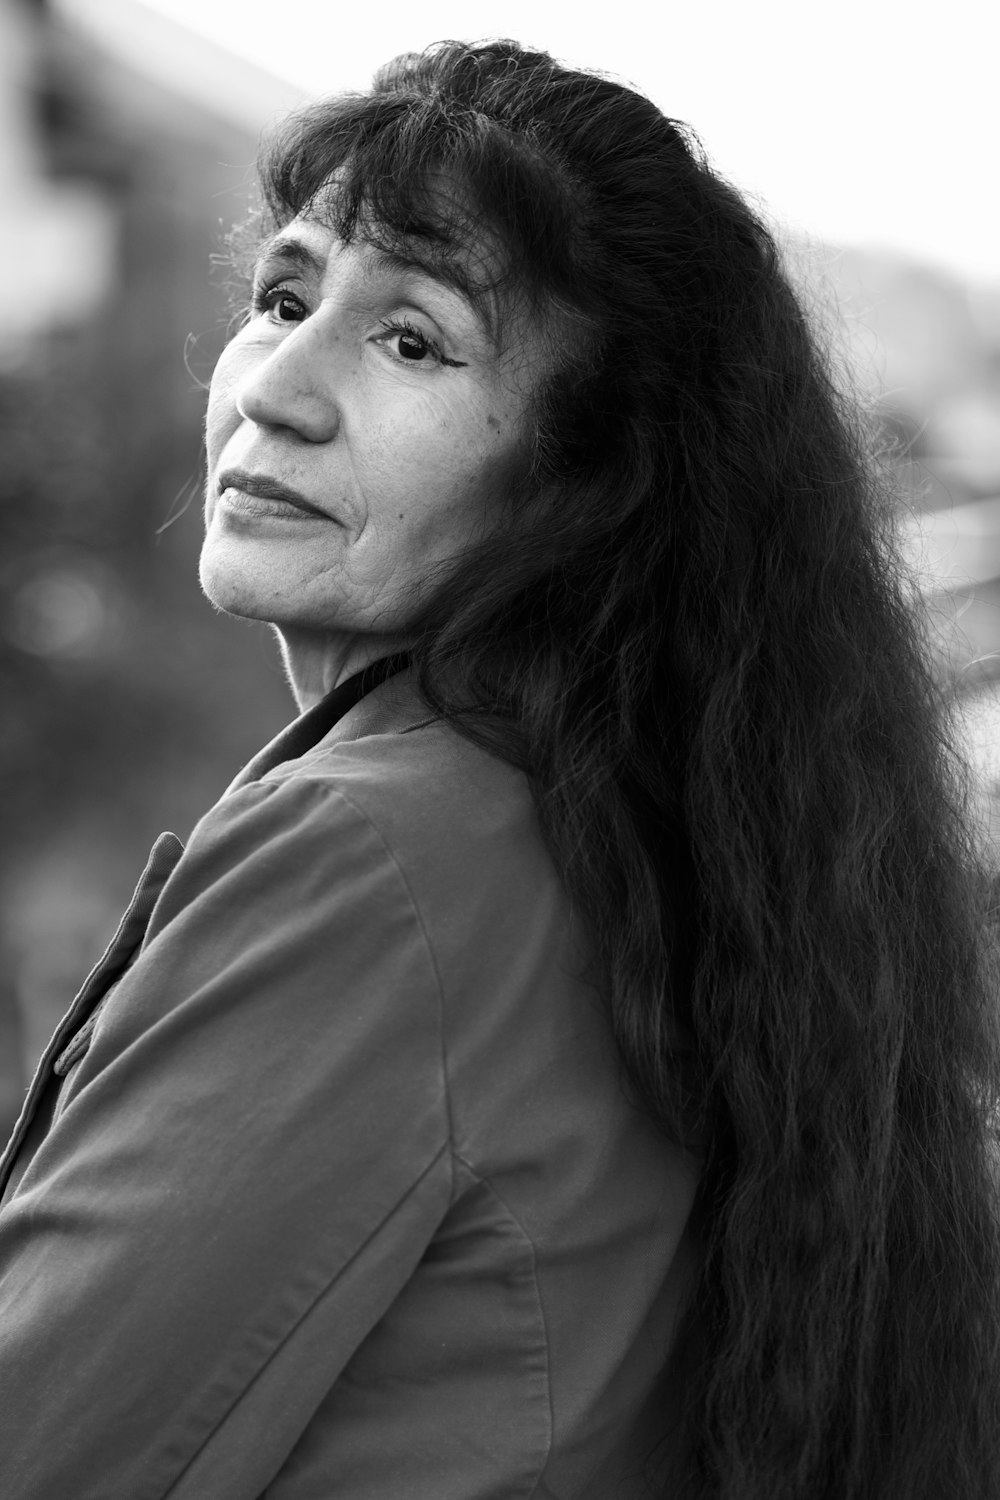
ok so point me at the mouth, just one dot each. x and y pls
(258, 494)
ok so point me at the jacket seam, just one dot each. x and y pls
(486, 1183)
(304, 1316)
(348, 801)
(321, 784)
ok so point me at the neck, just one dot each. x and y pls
(315, 664)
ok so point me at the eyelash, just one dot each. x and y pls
(403, 325)
(265, 299)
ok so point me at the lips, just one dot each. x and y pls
(263, 487)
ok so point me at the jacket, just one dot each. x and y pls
(329, 1186)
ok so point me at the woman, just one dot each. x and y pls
(561, 1064)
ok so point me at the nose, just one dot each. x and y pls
(294, 387)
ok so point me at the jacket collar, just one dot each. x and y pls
(381, 699)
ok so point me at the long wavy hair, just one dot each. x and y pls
(690, 632)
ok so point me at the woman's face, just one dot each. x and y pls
(362, 427)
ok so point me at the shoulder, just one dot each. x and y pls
(440, 806)
(391, 810)
(407, 864)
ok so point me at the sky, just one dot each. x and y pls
(863, 122)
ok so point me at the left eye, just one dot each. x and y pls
(412, 346)
(415, 347)
(410, 343)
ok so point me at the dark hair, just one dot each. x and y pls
(690, 633)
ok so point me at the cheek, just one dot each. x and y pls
(464, 499)
(221, 416)
(499, 466)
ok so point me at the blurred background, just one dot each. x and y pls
(128, 130)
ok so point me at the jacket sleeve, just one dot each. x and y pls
(247, 1165)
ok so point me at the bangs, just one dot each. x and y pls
(433, 181)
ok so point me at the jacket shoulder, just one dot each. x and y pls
(437, 799)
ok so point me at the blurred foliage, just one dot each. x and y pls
(128, 703)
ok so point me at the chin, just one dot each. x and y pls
(232, 588)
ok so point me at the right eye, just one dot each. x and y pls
(279, 303)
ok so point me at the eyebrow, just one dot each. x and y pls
(380, 259)
(286, 247)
